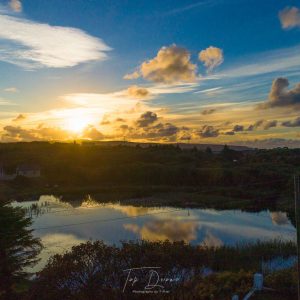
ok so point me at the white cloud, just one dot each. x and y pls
(11, 89)
(34, 45)
(15, 5)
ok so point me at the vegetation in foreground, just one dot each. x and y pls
(18, 249)
(94, 270)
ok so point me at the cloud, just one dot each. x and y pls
(138, 92)
(35, 45)
(171, 64)
(120, 120)
(15, 5)
(131, 76)
(293, 123)
(258, 123)
(280, 60)
(279, 218)
(185, 136)
(262, 124)
(208, 132)
(212, 241)
(255, 125)
(211, 57)
(270, 124)
(90, 132)
(162, 130)
(229, 133)
(280, 96)
(172, 230)
(208, 111)
(40, 133)
(146, 119)
(11, 90)
(20, 117)
(190, 7)
(238, 128)
(147, 129)
(289, 17)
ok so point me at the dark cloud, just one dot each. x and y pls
(280, 96)
(163, 130)
(146, 119)
(229, 133)
(208, 111)
(265, 124)
(250, 128)
(208, 132)
(292, 123)
(238, 128)
(185, 137)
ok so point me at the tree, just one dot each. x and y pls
(18, 248)
(208, 151)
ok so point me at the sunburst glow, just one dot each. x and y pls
(77, 123)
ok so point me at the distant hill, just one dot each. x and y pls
(214, 147)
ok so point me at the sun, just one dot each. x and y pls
(77, 123)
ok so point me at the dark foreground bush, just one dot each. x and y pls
(166, 270)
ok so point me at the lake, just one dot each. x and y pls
(61, 225)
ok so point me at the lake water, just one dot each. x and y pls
(61, 225)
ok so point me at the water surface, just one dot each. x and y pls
(61, 225)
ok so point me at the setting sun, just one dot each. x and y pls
(77, 123)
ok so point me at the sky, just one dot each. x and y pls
(210, 71)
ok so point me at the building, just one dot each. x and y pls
(29, 171)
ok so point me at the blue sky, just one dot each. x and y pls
(45, 69)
